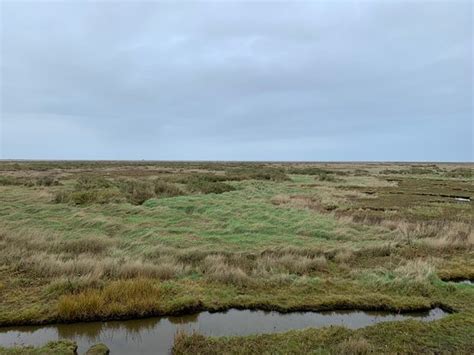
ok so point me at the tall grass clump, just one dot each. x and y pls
(165, 268)
(290, 263)
(86, 245)
(137, 297)
(458, 236)
(217, 269)
(89, 190)
(354, 346)
(414, 277)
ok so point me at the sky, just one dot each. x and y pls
(247, 80)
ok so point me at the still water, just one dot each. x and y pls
(156, 335)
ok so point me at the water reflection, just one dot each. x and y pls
(156, 335)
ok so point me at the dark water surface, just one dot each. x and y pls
(156, 335)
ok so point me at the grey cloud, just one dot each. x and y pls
(241, 80)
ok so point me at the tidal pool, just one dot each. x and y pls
(156, 335)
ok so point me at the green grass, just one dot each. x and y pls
(61, 347)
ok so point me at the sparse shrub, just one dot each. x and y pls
(208, 187)
(361, 172)
(326, 177)
(466, 173)
(257, 173)
(87, 182)
(136, 191)
(9, 180)
(166, 189)
(47, 181)
(16, 181)
(94, 196)
(62, 196)
(314, 171)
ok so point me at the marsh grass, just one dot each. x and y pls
(413, 276)
(118, 298)
(59, 347)
(216, 268)
(208, 187)
(354, 346)
(274, 236)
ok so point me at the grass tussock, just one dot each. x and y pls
(344, 256)
(216, 268)
(412, 277)
(416, 270)
(441, 235)
(293, 264)
(86, 245)
(86, 265)
(459, 236)
(354, 346)
(116, 299)
(165, 268)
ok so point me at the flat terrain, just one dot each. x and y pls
(83, 241)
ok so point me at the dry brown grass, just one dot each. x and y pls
(106, 268)
(456, 236)
(324, 202)
(165, 268)
(441, 235)
(417, 270)
(217, 269)
(344, 256)
(380, 250)
(293, 264)
(412, 231)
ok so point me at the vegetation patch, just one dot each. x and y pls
(131, 239)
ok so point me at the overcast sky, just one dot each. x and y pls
(286, 80)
